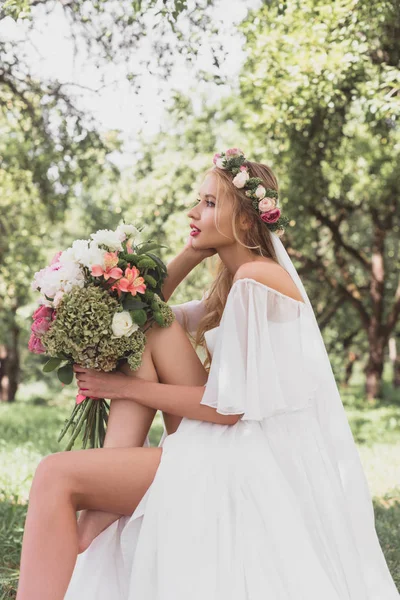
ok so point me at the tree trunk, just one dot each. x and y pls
(395, 360)
(374, 369)
(3, 373)
(10, 366)
(352, 357)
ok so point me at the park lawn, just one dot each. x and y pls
(29, 431)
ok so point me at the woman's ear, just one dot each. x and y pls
(244, 223)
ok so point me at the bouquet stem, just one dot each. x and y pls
(92, 416)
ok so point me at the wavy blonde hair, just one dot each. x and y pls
(256, 238)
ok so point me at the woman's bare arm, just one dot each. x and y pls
(181, 400)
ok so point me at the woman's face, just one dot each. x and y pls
(203, 216)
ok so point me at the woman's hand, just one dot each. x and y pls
(98, 384)
(199, 254)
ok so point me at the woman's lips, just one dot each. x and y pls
(194, 231)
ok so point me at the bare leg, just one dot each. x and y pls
(128, 426)
(95, 479)
(64, 482)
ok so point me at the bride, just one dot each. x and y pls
(256, 489)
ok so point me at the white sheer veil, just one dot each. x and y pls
(340, 442)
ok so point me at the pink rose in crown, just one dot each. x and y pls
(43, 311)
(266, 204)
(40, 326)
(35, 345)
(217, 156)
(271, 216)
(232, 152)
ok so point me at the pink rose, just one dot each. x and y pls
(43, 311)
(231, 152)
(40, 326)
(271, 216)
(266, 204)
(216, 157)
(35, 345)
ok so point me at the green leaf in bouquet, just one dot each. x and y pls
(132, 303)
(52, 364)
(139, 317)
(149, 279)
(149, 246)
(66, 374)
(158, 260)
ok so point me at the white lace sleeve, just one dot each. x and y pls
(263, 360)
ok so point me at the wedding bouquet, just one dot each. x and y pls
(98, 298)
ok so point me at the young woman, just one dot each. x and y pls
(257, 491)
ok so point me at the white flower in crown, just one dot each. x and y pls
(241, 178)
(260, 191)
(266, 204)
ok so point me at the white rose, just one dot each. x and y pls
(67, 256)
(126, 230)
(219, 163)
(107, 238)
(240, 179)
(122, 324)
(260, 191)
(80, 249)
(92, 256)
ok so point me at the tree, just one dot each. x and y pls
(320, 90)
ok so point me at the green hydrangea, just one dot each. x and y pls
(82, 331)
(166, 311)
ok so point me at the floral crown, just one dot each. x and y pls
(264, 200)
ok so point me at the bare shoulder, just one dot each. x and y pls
(270, 274)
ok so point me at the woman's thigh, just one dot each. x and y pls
(108, 479)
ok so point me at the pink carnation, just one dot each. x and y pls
(43, 311)
(271, 216)
(35, 345)
(56, 258)
(40, 326)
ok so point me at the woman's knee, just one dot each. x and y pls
(50, 477)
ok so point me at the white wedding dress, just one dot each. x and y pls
(252, 511)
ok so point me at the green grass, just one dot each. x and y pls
(29, 429)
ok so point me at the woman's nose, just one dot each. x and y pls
(192, 213)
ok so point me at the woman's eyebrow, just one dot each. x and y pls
(208, 196)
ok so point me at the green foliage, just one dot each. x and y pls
(66, 374)
(51, 364)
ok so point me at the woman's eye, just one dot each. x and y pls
(208, 202)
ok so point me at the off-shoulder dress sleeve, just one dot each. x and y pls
(262, 362)
(192, 311)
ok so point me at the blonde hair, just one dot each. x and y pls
(256, 238)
